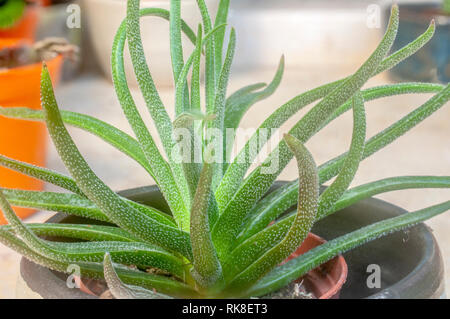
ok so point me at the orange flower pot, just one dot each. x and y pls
(23, 140)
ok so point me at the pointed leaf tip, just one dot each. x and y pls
(290, 140)
(44, 72)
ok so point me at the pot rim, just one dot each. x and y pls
(27, 68)
(340, 262)
(330, 279)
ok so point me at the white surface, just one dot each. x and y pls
(306, 35)
(103, 18)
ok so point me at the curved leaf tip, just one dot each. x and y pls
(122, 291)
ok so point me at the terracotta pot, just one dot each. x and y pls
(326, 281)
(23, 140)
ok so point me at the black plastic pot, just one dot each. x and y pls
(432, 62)
(410, 261)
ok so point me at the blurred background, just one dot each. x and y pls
(323, 40)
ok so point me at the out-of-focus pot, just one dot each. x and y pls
(104, 18)
(23, 140)
(432, 62)
(307, 32)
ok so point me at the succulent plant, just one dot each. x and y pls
(10, 12)
(226, 236)
(446, 6)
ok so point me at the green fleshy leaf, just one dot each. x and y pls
(390, 134)
(182, 127)
(304, 220)
(176, 49)
(75, 205)
(41, 173)
(176, 52)
(195, 82)
(269, 208)
(260, 180)
(110, 134)
(385, 91)
(207, 269)
(235, 111)
(79, 231)
(361, 192)
(152, 99)
(57, 202)
(407, 50)
(219, 109)
(158, 113)
(268, 237)
(194, 120)
(163, 173)
(129, 253)
(210, 74)
(116, 209)
(187, 119)
(299, 266)
(219, 38)
(237, 169)
(180, 87)
(242, 162)
(95, 270)
(249, 246)
(329, 197)
(242, 93)
(122, 291)
(241, 101)
(191, 168)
